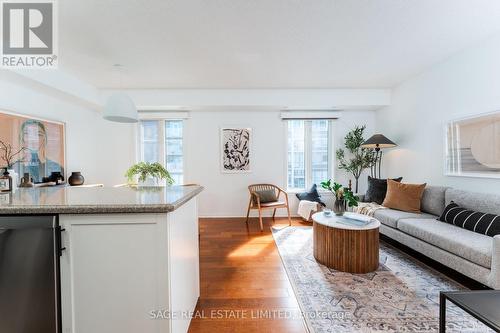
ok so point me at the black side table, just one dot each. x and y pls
(484, 305)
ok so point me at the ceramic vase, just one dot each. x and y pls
(76, 179)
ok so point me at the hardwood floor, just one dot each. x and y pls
(244, 287)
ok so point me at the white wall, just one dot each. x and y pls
(101, 150)
(305, 99)
(465, 84)
(227, 194)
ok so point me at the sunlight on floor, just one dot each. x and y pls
(251, 248)
(256, 245)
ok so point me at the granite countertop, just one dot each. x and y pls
(95, 200)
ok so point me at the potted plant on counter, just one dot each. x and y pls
(343, 196)
(148, 174)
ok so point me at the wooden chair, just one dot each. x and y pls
(255, 203)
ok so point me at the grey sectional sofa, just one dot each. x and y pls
(474, 255)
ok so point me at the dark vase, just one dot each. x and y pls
(56, 177)
(76, 179)
(339, 207)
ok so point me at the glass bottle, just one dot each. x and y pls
(6, 182)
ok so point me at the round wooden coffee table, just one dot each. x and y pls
(343, 247)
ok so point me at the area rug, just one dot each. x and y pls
(401, 296)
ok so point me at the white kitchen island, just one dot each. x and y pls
(129, 261)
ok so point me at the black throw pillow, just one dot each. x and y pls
(311, 195)
(482, 223)
(377, 188)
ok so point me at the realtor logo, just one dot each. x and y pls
(29, 34)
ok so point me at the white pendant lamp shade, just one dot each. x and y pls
(120, 108)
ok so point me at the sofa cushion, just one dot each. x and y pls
(311, 195)
(464, 243)
(377, 188)
(482, 202)
(433, 199)
(390, 217)
(405, 197)
(482, 223)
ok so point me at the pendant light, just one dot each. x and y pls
(119, 107)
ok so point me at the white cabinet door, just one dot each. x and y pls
(184, 264)
(114, 273)
(129, 273)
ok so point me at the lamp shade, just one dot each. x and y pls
(120, 108)
(378, 141)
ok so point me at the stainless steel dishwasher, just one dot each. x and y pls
(29, 274)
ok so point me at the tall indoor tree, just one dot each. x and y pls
(358, 158)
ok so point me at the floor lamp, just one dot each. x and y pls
(377, 142)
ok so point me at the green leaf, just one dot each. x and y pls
(145, 169)
(359, 158)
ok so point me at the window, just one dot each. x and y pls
(308, 150)
(161, 141)
(174, 150)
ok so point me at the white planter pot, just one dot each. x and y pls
(150, 181)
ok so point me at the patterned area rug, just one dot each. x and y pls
(401, 296)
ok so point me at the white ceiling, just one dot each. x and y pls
(265, 43)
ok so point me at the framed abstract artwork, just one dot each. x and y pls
(472, 146)
(236, 150)
(42, 144)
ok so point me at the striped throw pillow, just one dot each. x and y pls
(482, 223)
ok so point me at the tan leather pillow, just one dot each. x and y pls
(405, 197)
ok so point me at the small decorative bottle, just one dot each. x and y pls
(6, 182)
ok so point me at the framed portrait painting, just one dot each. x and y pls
(42, 144)
(236, 149)
(472, 146)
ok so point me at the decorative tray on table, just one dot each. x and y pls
(353, 219)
